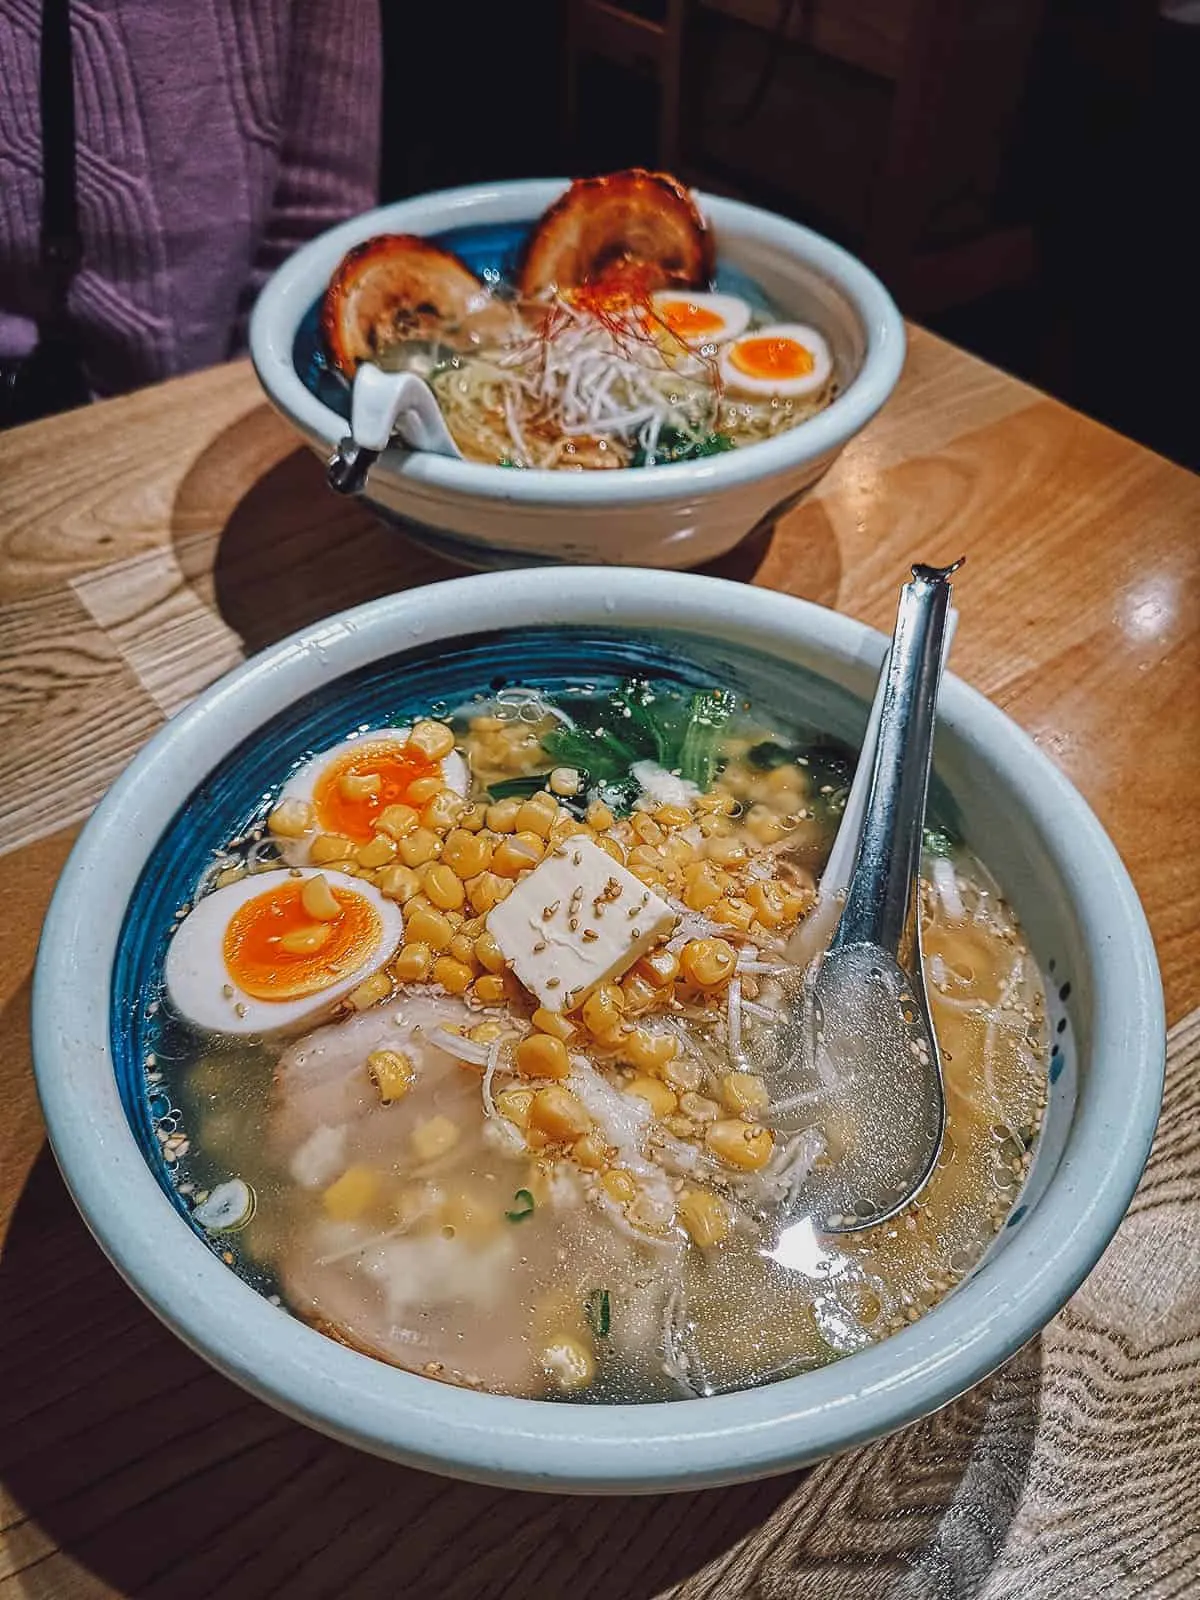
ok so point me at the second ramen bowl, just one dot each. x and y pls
(678, 515)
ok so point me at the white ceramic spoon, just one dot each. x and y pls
(384, 404)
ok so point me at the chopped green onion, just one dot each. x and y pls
(597, 1310)
(523, 1208)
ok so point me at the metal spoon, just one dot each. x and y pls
(870, 1035)
(384, 403)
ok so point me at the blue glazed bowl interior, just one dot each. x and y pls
(234, 799)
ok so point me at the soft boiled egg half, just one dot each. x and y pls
(276, 950)
(699, 319)
(346, 790)
(786, 360)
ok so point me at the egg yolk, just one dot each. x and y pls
(352, 791)
(772, 358)
(686, 320)
(274, 950)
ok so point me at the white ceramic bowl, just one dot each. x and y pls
(669, 516)
(1031, 827)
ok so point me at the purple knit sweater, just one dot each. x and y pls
(213, 137)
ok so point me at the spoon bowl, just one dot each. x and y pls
(862, 1031)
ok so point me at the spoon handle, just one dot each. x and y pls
(889, 852)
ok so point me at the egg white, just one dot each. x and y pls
(197, 978)
(737, 382)
(303, 783)
(733, 312)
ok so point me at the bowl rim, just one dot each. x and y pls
(529, 1443)
(287, 295)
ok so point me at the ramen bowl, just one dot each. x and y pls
(676, 515)
(136, 865)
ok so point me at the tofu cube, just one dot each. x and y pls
(577, 920)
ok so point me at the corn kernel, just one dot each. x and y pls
(734, 912)
(739, 1144)
(705, 1216)
(599, 816)
(654, 1092)
(538, 815)
(428, 926)
(619, 1185)
(318, 899)
(649, 1051)
(413, 962)
(557, 1113)
(468, 854)
(540, 1055)
(432, 739)
(487, 890)
(489, 989)
(611, 847)
(349, 1196)
(462, 948)
(672, 816)
(715, 827)
(590, 1152)
(328, 847)
(454, 976)
(517, 853)
(683, 1073)
(565, 781)
(433, 1137)
(768, 900)
(568, 1363)
(422, 790)
(397, 820)
(486, 1032)
(660, 967)
(473, 818)
(707, 962)
(371, 991)
(514, 1104)
(291, 819)
(603, 1010)
(488, 953)
(392, 1073)
(398, 882)
(442, 812)
(502, 817)
(726, 852)
(419, 846)
(744, 1093)
(378, 853)
(553, 1023)
(763, 825)
(699, 1107)
(679, 853)
(359, 785)
(646, 829)
(639, 993)
(306, 941)
(646, 858)
(701, 888)
(442, 886)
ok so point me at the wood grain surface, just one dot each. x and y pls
(146, 545)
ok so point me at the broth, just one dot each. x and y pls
(602, 1200)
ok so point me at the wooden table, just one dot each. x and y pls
(146, 545)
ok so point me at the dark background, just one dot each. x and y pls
(1090, 150)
